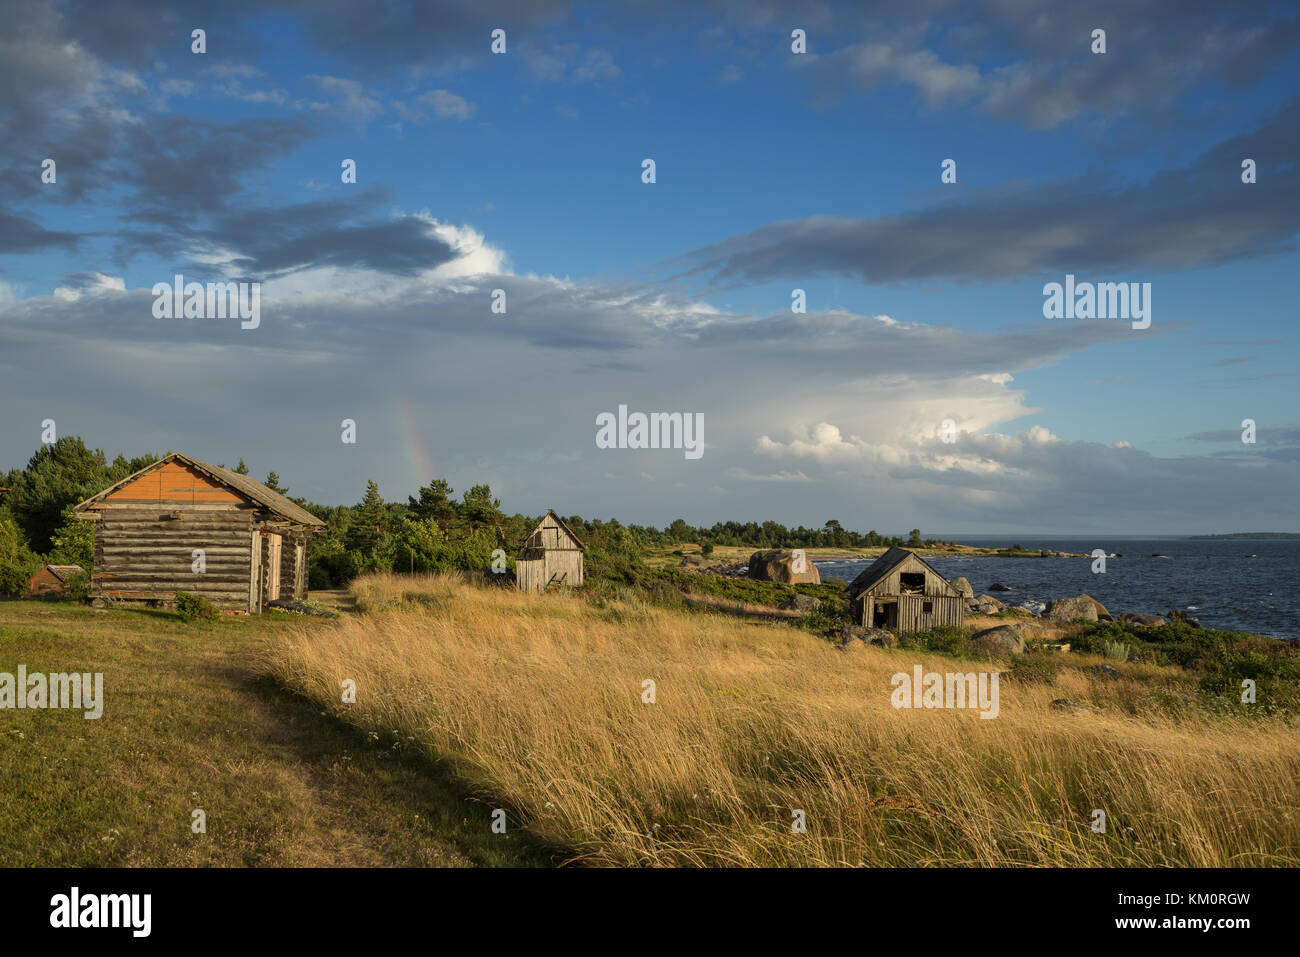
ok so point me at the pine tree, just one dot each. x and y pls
(435, 502)
(242, 469)
(273, 483)
(370, 523)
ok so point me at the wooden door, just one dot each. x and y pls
(273, 572)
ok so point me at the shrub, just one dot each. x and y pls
(14, 577)
(706, 549)
(76, 588)
(946, 640)
(194, 608)
(1038, 668)
(1115, 650)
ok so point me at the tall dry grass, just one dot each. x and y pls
(536, 704)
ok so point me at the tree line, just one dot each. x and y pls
(433, 530)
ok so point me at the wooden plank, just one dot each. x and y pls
(254, 578)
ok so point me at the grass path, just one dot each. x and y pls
(186, 725)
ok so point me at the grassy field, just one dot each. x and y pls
(535, 703)
(189, 724)
(472, 698)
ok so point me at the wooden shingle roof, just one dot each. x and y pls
(881, 568)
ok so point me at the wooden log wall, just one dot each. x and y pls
(148, 554)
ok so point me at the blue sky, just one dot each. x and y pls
(775, 171)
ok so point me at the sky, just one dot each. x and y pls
(923, 386)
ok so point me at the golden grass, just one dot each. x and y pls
(536, 704)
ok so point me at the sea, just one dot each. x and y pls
(1250, 585)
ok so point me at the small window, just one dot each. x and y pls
(927, 607)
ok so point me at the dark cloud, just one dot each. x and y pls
(267, 241)
(1199, 216)
(20, 235)
(1033, 64)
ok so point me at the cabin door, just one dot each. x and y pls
(273, 572)
(885, 615)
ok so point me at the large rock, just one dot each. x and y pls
(778, 565)
(1073, 609)
(1002, 640)
(864, 635)
(998, 586)
(881, 638)
(804, 603)
(984, 605)
(1133, 618)
(963, 588)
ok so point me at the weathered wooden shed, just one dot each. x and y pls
(900, 591)
(51, 579)
(184, 525)
(552, 555)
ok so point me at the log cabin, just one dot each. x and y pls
(899, 591)
(184, 525)
(551, 556)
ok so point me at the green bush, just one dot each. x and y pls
(77, 588)
(192, 608)
(1115, 650)
(14, 577)
(1034, 669)
(946, 640)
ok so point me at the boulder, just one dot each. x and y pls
(804, 603)
(779, 565)
(1027, 610)
(851, 645)
(1133, 618)
(984, 605)
(963, 588)
(881, 638)
(1002, 640)
(1072, 609)
(998, 586)
(1106, 671)
(1102, 613)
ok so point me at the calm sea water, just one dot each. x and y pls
(1239, 584)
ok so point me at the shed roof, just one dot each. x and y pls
(881, 568)
(251, 489)
(62, 572)
(559, 521)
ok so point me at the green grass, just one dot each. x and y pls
(187, 724)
